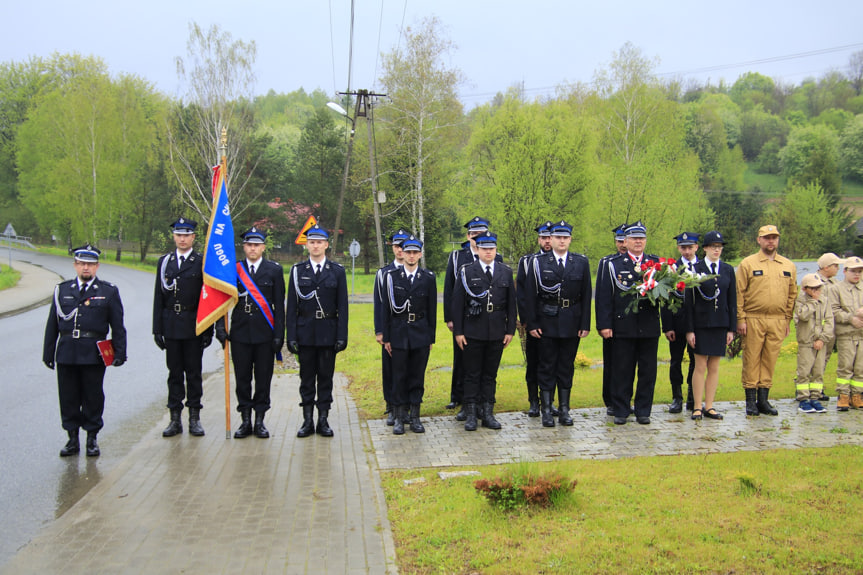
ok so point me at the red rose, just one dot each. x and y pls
(646, 264)
(681, 285)
(661, 261)
(670, 261)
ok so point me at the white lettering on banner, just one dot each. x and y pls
(220, 253)
(226, 211)
(219, 229)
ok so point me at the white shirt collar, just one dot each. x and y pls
(322, 263)
(185, 254)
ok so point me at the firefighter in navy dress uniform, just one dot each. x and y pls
(558, 315)
(531, 344)
(635, 335)
(179, 279)
(484, 318)
(257, 331)
(83, 311)
(409, 316)
(607, 358)
(379, 299)
(317, 328)
(676, 325)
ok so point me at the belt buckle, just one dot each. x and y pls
(76, 333)
(178, 307)
(412, 317)
(319, 314)
(248, 308)
(489, 307)
(564, 303)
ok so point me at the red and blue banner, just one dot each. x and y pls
(219, 293)
(255, 293)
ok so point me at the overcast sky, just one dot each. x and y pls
(540, 43)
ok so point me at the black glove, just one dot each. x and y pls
(294, 347)
(206, 340)
(277, 345)
(160, 340)
(340, 345)
(118, 362)
(49, 364)
(222, 336)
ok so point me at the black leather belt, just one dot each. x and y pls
(318, 314)
(78, 334)
(178, 307)
(410, 317)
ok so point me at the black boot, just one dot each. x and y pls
(533, 400)
(470, 419)
(690, 401)
(195, 422)
(762, 404)
(391, 415)
(462, 414)
(751, 402)
(488, 416)
(92, 446)
(308, 427)
(72, 447)
(175, 427)
(323, 427)
(245, 428)
(260, 429)
(563, 396)
(480, 411)
(416, 425)
(545, 409)
(676, 399)
(399, 417)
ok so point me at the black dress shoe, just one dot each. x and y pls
(619, 420)
(676, 405)
(643, 420)
(713, 414)
(72, 447)
(244, 430)
(261, 431)
(452, 405)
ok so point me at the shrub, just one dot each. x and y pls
(524, 488)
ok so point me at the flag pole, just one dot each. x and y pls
(224, 162)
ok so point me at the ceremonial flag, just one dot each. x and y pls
(219, 293)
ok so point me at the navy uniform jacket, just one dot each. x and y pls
(487, 325)
(722, 312)
(611, 306)
(677, 322)
(248, 324)
(456, 260)
(564, 313)
(100, 308)
(414, 326)
(322, 319)
(380, 297)
(175, 310)
(521, 284)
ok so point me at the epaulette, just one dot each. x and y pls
(335, 264)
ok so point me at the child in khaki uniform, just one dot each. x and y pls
(813, 317)
(847, 303)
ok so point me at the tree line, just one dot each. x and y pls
(86, 155)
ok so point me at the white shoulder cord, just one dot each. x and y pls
(163, 275)
(553, 289)
(65, 317)
(396, 308)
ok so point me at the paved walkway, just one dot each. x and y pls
(315, 505)
(34, 289)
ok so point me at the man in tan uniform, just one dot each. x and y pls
(846, 300)
(766, 290)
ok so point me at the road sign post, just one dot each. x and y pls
(354, 251)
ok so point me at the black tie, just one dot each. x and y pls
(252, 269)
(182, 260)
(713, 267)
(475, 257)
(318, 272)
(560, 264)
(488, 273)
(689, 265)
(83, 287)
(411, 278)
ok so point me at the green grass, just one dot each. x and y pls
(8, 277)
(762, 512)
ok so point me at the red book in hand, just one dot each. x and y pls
(106, 350)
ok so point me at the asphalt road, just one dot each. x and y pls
(37, 485)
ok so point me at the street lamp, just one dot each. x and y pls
(339, 110)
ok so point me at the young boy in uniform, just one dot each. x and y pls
(813, 318)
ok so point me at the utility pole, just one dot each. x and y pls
(363, 109)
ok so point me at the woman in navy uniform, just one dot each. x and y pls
(711, 313)
(83, 311)
(607, 357)
(179, 279)
(317, 327)
(484, 318)
(636, 335)
(409, 316)
(558, 311)
(257, 331)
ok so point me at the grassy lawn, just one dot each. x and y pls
(8, 277)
